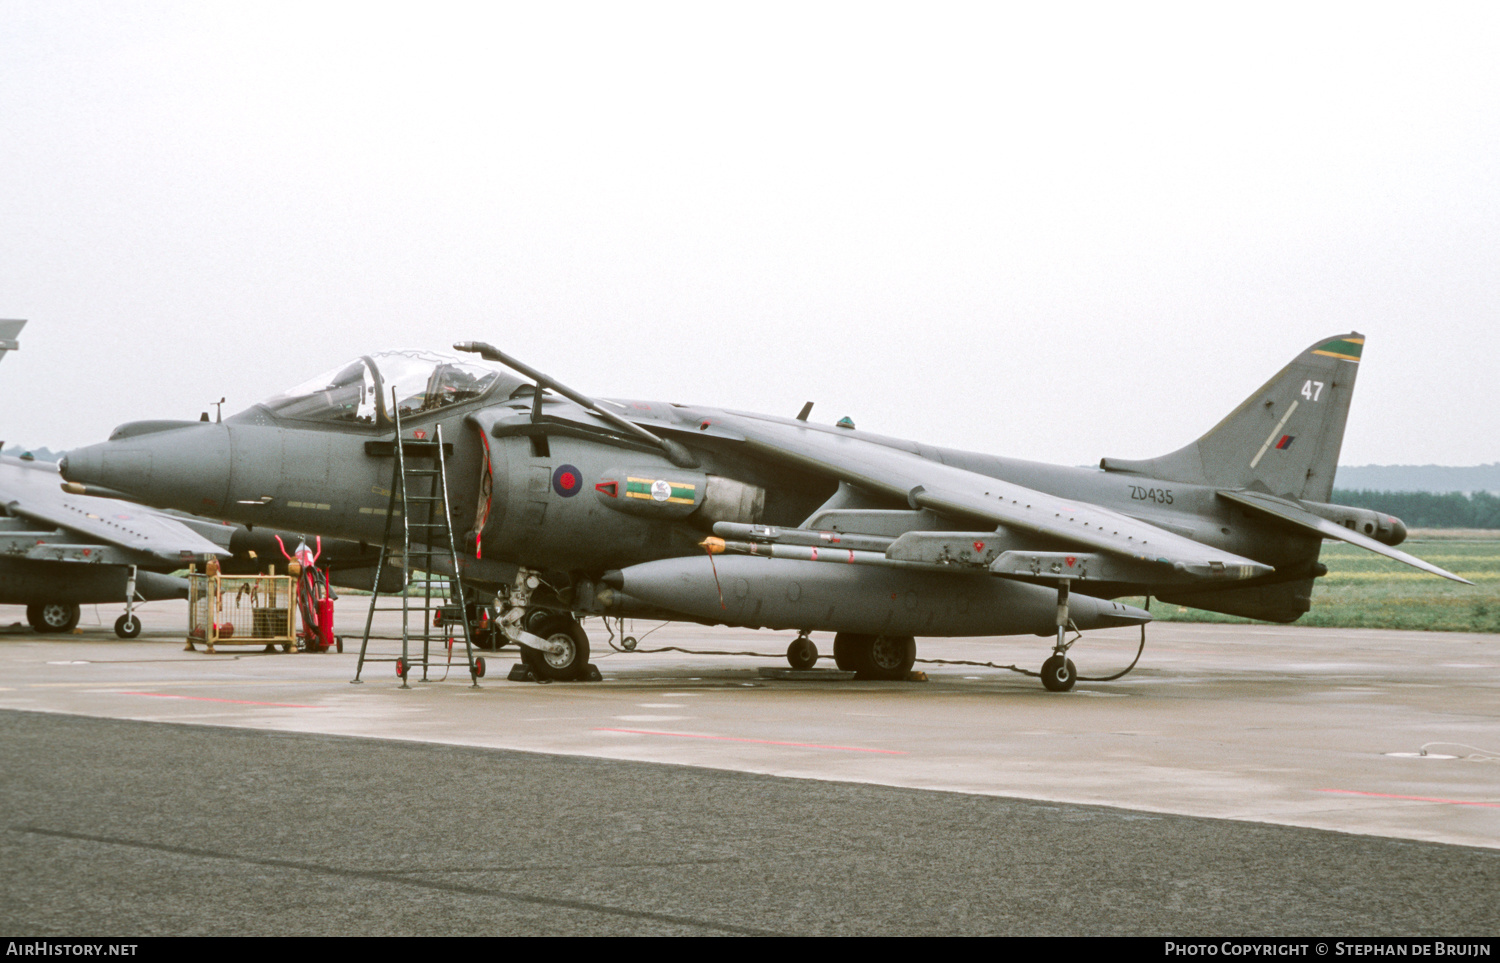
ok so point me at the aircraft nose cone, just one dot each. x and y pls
(186, 468)
(80, 465)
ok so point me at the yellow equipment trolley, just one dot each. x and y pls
(241, 610)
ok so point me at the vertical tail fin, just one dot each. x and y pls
(1283, 439)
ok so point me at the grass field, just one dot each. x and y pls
(1364, 590)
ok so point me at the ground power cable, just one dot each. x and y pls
(1036, 675)
(630, 644)
(623, 648)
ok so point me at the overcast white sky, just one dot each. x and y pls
(1049, 231)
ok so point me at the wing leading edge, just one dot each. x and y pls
(957, 492)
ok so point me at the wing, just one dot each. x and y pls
(126, 532)
(952, 491)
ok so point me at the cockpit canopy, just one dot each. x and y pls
(360, 392)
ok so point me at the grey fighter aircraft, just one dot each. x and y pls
(59, 550)
(576, 507)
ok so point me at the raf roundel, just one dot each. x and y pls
(567, 481)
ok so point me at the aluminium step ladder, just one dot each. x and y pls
(419, 498)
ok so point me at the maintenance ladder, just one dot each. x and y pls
(426, 535)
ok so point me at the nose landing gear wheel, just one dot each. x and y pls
(571, 663)
(1058, 674)
(127, 626)
(802, 654)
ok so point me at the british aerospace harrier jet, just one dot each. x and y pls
(566, 506)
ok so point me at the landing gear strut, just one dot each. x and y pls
(128, 626)
(1058, 673)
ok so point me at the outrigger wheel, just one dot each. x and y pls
(802, 654)
(127, 626)
(1058, 674)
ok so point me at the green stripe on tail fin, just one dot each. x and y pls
(1346, 348)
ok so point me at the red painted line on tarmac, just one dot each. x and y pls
(763, 742)
(1386, 795)
(238, 702)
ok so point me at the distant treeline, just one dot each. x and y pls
(1429, 509)
(1419, 478)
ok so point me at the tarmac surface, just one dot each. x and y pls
(1244, 780)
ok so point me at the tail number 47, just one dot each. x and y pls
(1311, 390)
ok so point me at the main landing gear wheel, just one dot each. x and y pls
(885, 658)
(802, 654)
(53, 616)
(1058, 674)
(890, 658)
(571, 663)
(846, 651)
(127, 626)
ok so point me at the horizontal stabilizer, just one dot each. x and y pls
(1298, 517)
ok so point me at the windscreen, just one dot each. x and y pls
(346, 394)
(360, 392)
(424, 381)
